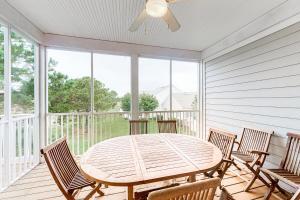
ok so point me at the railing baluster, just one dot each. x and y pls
(96, 128)
(56, 128)
(26, 144)
(19, 145)
(61, 126)
(78, 135)
(13, 147)
(83, 133)
(31, 141)
(49, 137)
(67, 128)
(73, 134)
(88, 131)
(1, 156)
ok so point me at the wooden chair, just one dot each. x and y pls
(251, 152)
(167, 126)
(224, 141)
(202, 190)
(65, 171)
(138, 127)
(289, 170)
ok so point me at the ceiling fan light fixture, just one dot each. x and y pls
(156, 8)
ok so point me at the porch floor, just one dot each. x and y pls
(39, 185)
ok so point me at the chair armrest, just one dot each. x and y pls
(227, 160)
(236, 142)
(258, 152)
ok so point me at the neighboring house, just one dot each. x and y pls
(180, 101)
(183, 100)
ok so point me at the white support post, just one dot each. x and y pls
(36, 122)
(134, 86)
(92, 125)
(7, 105)
(171, 87)
(203, 99)
(42, 97)
(200, 99)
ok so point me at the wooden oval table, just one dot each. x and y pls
(140, 159)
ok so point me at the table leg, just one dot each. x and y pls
(130, 193)
(192, 178)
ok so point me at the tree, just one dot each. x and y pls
(195, 103)
(126, 102)
(58, 93)
(148, 102)
(104, 98)
(22, 73)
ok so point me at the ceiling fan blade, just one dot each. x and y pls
(171, 1)
(138, 21)
(171, 21)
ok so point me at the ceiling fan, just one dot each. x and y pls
(157, 9)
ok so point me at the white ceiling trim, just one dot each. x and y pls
(11, 16)
(85, 44)
(203, 21)
(276, 19)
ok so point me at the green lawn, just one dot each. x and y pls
(104, 128)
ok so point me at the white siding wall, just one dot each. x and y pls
(257, 86)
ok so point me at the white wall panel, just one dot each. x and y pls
(257, 86)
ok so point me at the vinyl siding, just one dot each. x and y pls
(257, 86)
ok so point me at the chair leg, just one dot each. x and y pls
(209, 174)
(97, 188)
(254, 177)
(250, 183)
(91, 194)
(270, 191)
(276, 185)
(234, 163)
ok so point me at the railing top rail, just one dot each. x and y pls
(86, 113)
(17, 118)
(107, 113)
(169, 111)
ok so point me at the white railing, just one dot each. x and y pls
(187, 120)
(19, 148)
(85, 129)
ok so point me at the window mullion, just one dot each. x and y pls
(7, 104)
(134, 87)
(171, 86)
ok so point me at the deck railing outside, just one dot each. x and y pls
(85, 129)
(19, 143)
(19, 137)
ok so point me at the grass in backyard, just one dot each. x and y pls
(81, 135)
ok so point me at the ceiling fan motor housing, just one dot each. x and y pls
(156, 8)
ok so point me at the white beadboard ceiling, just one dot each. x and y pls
(203, 22)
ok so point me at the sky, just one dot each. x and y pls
(114, 71)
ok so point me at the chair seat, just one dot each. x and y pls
(284, 175)
(78, 182)
(242, 157)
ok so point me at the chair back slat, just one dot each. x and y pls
(223, 140)
(202, 190)
(138, 127)
(254, 140)
(61, 164)
(167, 126)
(291, 162)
